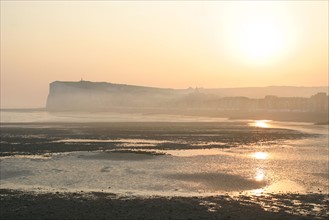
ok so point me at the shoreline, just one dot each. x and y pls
(115, 203)
(317, 118)
(98, 205)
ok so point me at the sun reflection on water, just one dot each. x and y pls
(258, 192)
(261, 123)
(260, 155)
(260, 175)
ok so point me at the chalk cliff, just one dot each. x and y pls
(85, 95)
(102, 96)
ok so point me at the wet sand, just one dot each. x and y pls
(98, 205)
(40, 138)
(134, 150)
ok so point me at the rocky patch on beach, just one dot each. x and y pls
(99, 205)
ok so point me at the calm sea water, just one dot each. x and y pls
(161, 154)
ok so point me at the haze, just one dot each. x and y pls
(169, 44)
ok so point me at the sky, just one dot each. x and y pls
(168, 44)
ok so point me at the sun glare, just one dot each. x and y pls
(261, 34)
(260, 155)
(260, 40)
(261, 123)
(260, 175)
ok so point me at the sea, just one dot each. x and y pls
(160, 155)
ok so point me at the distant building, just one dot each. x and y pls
(319, 102)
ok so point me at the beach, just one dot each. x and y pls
(194, 168)
(96, 205)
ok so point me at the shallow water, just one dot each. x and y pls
(21, 116)
(166, 158)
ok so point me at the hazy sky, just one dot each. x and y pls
(164, 44)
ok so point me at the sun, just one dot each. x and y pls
(260, 40)
(261, 34)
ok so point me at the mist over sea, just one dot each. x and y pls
(43, 116)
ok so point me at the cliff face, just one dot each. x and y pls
(86, 95)
(101, 96)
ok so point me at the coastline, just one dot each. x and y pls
(58, 136)
(317, 118)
